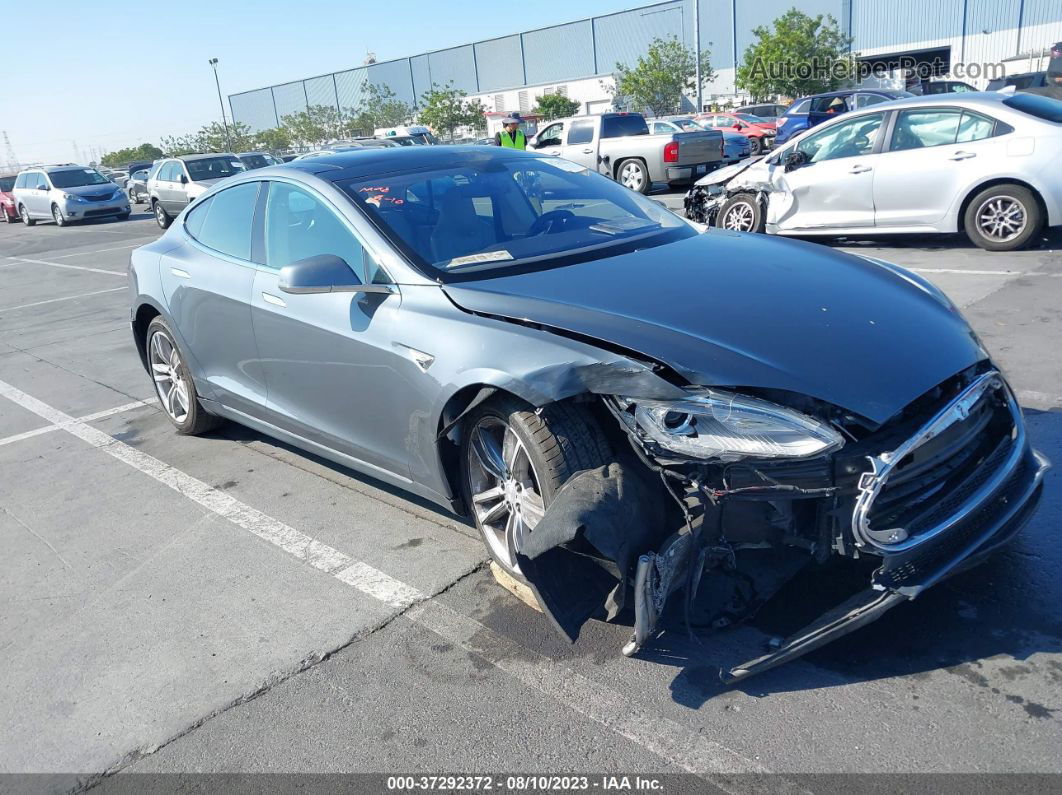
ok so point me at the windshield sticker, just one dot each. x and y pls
(485, 256)
(89, 170)
(568, 165)
(378, 195)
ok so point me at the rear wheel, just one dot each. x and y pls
(123, 216)
(9, 217)
(515, 459)
(755, 146)
(162, 218)
(1003, 218)
(633, 174)
(741, 213)
(173, 382)
(25, 216)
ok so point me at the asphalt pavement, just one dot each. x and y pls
(229, 604)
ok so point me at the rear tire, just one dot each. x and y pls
(755, 146)
(9, 217)
(1003, 218)
(162, 218)
(540, 451)
(25, 216)
(123, 216)
(741, 213)
(174, 386)
(632, 173)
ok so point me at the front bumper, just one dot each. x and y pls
(78, 210)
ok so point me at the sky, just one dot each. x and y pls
(83, 76)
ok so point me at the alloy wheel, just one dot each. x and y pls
(24, 215)
(631, 177)
(740, 217)
(506, 496)
(160, 214)
(167, 371)
(1001, 218)
(57, 214)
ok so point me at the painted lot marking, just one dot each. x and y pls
(671, 741)
(56, 300)
(99, 415)
(101, 250)
(963, 272)
(64, 265)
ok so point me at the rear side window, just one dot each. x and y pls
(828, 105)
(622, 126)
(223, 222)
(799, 107)
(1036, 105)
(582, 132)
(918, 129)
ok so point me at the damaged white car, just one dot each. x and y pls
(988, 164)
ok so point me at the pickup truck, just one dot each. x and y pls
(620, 146)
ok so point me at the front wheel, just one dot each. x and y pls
(162, 218)
(633, 174)
(515, 459)
(741, 213)
(57, 214)
(1003, 218)
(173, 382)
(755, 146)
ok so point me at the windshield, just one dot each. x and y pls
(77, 177)
(509, 213)
(255, 161)
(750, 118)
(213, 168)
(7, 184)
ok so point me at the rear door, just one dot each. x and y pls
(932, 156)
(580, 144)
(166, 186)
(825, 108)
(834, 189)
(207, 283)
(37, 197)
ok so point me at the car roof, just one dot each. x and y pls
(204, 156)
(972, 99)
(368, 162)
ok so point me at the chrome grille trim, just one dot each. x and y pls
(882, 466)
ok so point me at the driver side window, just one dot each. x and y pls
(551, 136)
(299, 225)
(851, 138)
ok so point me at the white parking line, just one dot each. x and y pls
(101, 250)
(56, 300)
(64, 265)
(671, 741)
(99, 415)
(964, 272)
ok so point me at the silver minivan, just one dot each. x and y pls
(66, 193)
(175, 182)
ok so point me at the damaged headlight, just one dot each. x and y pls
(728, 427)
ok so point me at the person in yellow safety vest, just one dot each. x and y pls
(510, 135)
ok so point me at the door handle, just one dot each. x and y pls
(588, 151)
(859, 169)
(180, 274)
(962, 156)
(269, 298)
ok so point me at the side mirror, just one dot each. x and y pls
(795, 159)
(42, 186)
(184, 179)
(325, 273)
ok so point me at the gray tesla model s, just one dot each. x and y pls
(631, 410)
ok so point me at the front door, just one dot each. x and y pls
(332, 370)
(551, 139)
(834, 188)
(207, 283)
(579, 144)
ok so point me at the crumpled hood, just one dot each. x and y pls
(743, 310)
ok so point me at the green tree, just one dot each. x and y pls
(657, 82)
(315, 126)
(125, 156)
(383, 109)
(215, 138)
(177, 145)
(273, 140)
(556, 106)
(446, 108)
(802, 55)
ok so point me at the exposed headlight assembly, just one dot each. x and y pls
(722, 426)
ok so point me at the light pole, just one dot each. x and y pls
(697, 49)
(214, 65)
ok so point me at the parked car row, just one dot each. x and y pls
(986, 164)
(65, 193)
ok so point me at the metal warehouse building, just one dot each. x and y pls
(577, 58)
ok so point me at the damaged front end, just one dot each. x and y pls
(707, 195)
(724, 496)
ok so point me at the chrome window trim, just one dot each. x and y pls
(871, 483)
